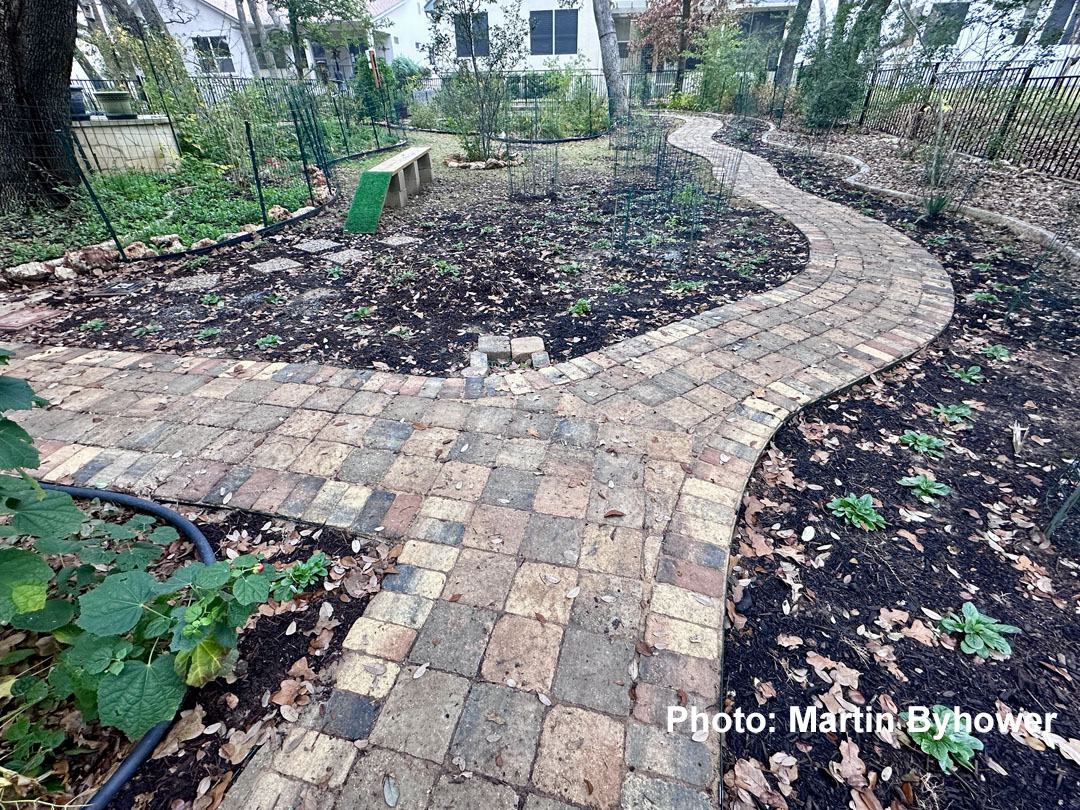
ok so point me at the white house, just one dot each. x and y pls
(401, 29)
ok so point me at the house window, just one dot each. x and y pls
(622, 34)
(475, 42)
(553, 32)
(214, 54)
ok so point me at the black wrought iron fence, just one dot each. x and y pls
(1027, 113)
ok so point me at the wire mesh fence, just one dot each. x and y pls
(164, 167)
(533, 170)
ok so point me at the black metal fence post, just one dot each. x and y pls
(300, 143)
(255, 172)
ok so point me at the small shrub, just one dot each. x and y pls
(923, 443)
(952, 414)
(954, 747)
(858, 510)
(981, 634)
(972, 375)
(925, 488)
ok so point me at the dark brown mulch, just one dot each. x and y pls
(509, 267)
(982, 542)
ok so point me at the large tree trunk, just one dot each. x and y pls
(1055, 24)
(684, 33)
(609, 53)
(786, 66)
(299, 56)
(37, 46)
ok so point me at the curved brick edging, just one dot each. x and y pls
(1019, 227)
(567, 530)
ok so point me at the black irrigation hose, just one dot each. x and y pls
(149, 741)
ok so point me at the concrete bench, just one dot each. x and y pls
(409, 172)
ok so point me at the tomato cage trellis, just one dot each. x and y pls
(533, 169)
(662, 194)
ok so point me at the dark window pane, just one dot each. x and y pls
(480, 33)
(540, 31)
(461, 35)
(566, 30)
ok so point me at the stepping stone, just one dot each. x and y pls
(21, 318)
(194, 283)
(273, 265)
(399, 241)
(316, 245)
(118, 288)
(344, 256)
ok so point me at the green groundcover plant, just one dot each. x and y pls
(858, 510)
(951, 747)
(980, 634)
(88, 625)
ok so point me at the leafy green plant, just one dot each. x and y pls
(400, 332)
(95, 325)
(401, 279)
(972, 375)
(444, 268)
(983, 267)
(274, 298)
(952, 414)
(268, 342)
(334, 272)
(950, 747)
(571, 268)
(925, 488)
(618, 288)
(581, 307)
(995, 352)
(207, 333)
(301, 576)
(858, 510)
(985, 298)
(211, 300)
(601, 244)
(148, 328)
(980, 634)
(685, 286)
(359, 313)
(923, 443)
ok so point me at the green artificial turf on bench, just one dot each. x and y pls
(367, 203)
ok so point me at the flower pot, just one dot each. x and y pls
(114, 102)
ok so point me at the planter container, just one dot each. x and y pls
(114, 102)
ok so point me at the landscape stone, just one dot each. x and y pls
(540, 360)
(316, 245)
(523, 348)
(204, 281)
(274, 265)
(496, 347)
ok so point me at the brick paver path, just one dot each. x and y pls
(558, 526)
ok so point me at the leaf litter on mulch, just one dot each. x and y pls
(823, 614)
(510, 266)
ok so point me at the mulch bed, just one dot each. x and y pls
(824, 613)
(505, 267)
(283, 659)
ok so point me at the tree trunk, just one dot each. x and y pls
(260, 35)
(1055, 24)
(618, 102)
(684, 33)
(245, 35)
(786, 67)
(152, 17)
(299, 57)
(37, 46)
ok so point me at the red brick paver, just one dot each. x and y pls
(559, 524)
